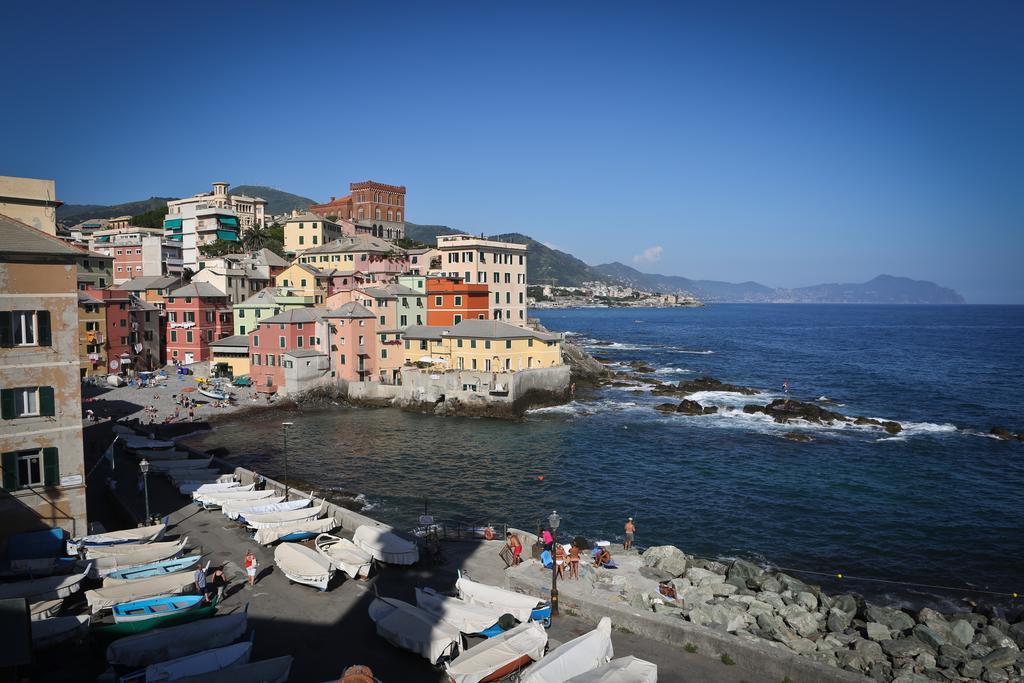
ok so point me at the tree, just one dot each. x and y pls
(150, 219)
(255, 238)
(221, 247)
(275, 246)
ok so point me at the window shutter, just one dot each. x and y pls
(6, 331)
(7, 403)
(51, 467)
(10, 465)
(46, 406)
(45, 338)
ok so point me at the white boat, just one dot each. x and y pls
(48, 588)
(231, 508)
(274, 670)
(44, 609)
(578, 656)
(137, 443)
(96, 551)
(157, 455)
(622, 670)
(49, 632)
(188, 483)
(499, 656)
(140, 535)
(295, 532)
(508, 602)
(384, 545)
(303, 565)
(100, 599)
(345, 555)
(410, 628)
(159, 645)
(216, 394)
(190, 488)
(146, 554)
(234, 510)
(465, 616)
(215, 499)
(269, 520)
(207, 661)
(216, 488)
(178, 465)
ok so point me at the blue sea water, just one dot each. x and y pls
(939, 504)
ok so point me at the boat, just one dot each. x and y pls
(108, 597)
(522, 607)
(269, 520)
(345, 555)
(147, 571)
(47, 632)
(622, 670)
(47, 588)
(578, 656)
(298, 531)
(216, 394)
(203, 475)
(192, 610)
(215, 488)
(30, 568)
(500, 656)
(209, 487)
(156, 608)
(274, 670)
(140, 535)
(199, 663)
(126, 548)
(141, 650)
(384, 545)
(465, 616)
(303, 565)
(235, 509)
(144, 554)
(44, 609)
(178, 466)
(140, 443)
(410, 628)
(231, 495)
(155, 455)
(30, 545)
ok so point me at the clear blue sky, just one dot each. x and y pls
(785, 143)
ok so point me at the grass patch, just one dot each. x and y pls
(690, 647)
(787, 679)
(727, 660)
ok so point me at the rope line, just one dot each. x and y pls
(899, 583)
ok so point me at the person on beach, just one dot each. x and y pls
(220, 583)
(177, 413)
(574, 561)
(250, 568)
(191, 414)
(516, 546)
(547, 539)
(602, 557)
(200, 581)
(630, 531)
(559, 559)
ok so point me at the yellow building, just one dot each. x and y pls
(92, 325)
(486, 345)
(305, 280)
(230, 356)
(306, 230)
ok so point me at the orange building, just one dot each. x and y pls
(376, 208)
(450, 300)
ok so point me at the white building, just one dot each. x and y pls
(499, 265)
(209, 216)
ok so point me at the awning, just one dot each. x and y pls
(228, 220)
(229, 235)
(174, 237)
(172, 223)
(104, 238)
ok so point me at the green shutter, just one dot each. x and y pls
(6, 333)
(46, 406)
(45, 338)
(10, 465)
(7, 403)
(51, 467)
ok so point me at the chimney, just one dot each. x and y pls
(332, 199)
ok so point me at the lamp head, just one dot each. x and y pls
(144, 466)
(554, 520)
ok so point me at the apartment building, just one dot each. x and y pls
(450, 300)
(267, 303)
(377, 208)
(33, 201)
(92, 336)
(197, 314)
(136, 251)
(209, 216)
(305, 230)
(499, 265)
(95, 270)
(295, 330)
(152, 290)
(366, 254)
(351, 342)
(489, 346)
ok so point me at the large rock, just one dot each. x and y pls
(997, 638)
(802, 646)
(895, 619)
(1000, 658)
(794, 584)
(904, 647)
(971, 668)
(877, 632)
(871, 650)
(775, 628)
(929, 636)
(954, 653)
(694, 596)
(807, 601)
(962, 633)
(667, 559)
(746, 572)
(845, 603)
(805, 623)
(838, 621)
(724, 617)
(711, 384)
(703, 577)
(1016, 631)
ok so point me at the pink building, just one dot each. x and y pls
(352, 339)
(298, 329)
(197, 314)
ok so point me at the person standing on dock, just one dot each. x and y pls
(200, 579)
(250, 568)
(630, 531)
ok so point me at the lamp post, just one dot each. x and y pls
(553, 521)
(144, 468)
(284, 435)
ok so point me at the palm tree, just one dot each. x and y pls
(255, 238)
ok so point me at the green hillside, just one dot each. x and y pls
(70, 214)
(278, 201)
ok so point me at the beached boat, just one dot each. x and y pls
(156, 608)
(44, 609)
(126, 548)
(274, 670)
(522, 607)
(578, 656)
(299, 531)
(212, 486)
(156, 455)
(207, 661)
(178, 466)
(622, 670)
(465, 616)
(269, 520)
(30, 568)
(216, 499)
(148, 571)
(144, 554)
(384, 545)
(169, 617)
(232, 509)
(28, 545)
(47, 588)
(303, 565)
(500, 656)
(216, 394)
(108, 597)
(160, 645)
(217, 488)
(140, 535)
(345, 555)
(47, 632)
(410, 628)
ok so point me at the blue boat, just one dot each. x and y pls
(156, 608)
(146, 571)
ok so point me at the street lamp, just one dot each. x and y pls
(144, 468)
(553, 521)
(284, 435)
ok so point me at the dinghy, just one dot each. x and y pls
(295, 532)
(190, 488)
(148, 571)
(622, 670)
(269, 520)
(465, 616)
(274, 670)
(410, 628)
(232, 509)
(213, 489)
(345, 555)
(500, 656)
(207, 661)
(578, 656)
(141, 535)
(95, 551)
(107, 597)
(141, 443)
(303, 565)
(49, 632)
(522, 607)
(44, 609)
(145, 554)
(155, 456)
(168, 617)
(216, 394)
(154, 609)
(48, 588)
(160, 645)
(189, 485)
(217, 498)
(384, 545)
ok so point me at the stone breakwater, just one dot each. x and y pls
(844, 631)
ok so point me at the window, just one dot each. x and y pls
(382, 319)
(27, 402)
(403, 321)
(298, 342)
(487, 365)
(256, 359)
(487, 343)
(37, 467)
(341, 359)
(458, 300)
(270, 359)
(188, 336)
(25, 328)
(174, 335)
(256, 341)
(458, 343)
(280, 341)
(472, 343)
(241, 329)
(529, 342)
(497, 297)
(383, 354)
(473, 363)
(438, 300)
(508, 343)
(458, 318)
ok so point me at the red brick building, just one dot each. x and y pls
(450, 300)
(197, 314)
(377, 207)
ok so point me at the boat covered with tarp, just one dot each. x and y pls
(204, 662)
(345, 555)
(146, 554)
(100, 599)
(147, 571)
(47, 632)
(384, 545)
(295, 532)
(463, 615)
(274, 670)
(578, 656)
(28, 545)
(303, 565)
(410, 628)
(269, 520)
(507, 602)
(622, 670)
(127, 548)
(234, 510)
(231, 508)
(500, 656)
(46, 588)
(160, 645)
(142, 534)
(217, 488)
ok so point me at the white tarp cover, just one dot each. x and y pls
(124, 536)
(231, 496)
(385, 545)
(49, 631)
(264, 671)
(298, 560)
(230, 508)
(345, 555)
(144, 554)
(465, 616)
(50, 588)
(235, 510)
(97, 551)
(268, 520)
(223, 486)
(518, 605)
(412, 629)
(482, 660)
(200, 663)
(622, 670)
(576, 657)
(313, 526)
(169, 584)
(160, 645)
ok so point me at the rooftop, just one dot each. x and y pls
(477, 329)
(237, 340)
(296, 315)
(354, 243)
(20, 238)
(304, 353)
(145, 282)
(200, 289)
(350, 310)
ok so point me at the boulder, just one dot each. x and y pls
(793, 584)
(1002, 433)
(930, 636)
(774, 628)
(954, 652)
(1000, 658)
(972, 668)
(838, 621)
(852, 661)
(877, 632)
(805, 623)
(694, 596)
(772, 599)
(666, 559)
(723, 589)
(752, 408)
(911, 677)
(724, 617)
(745, 571)
(783, 410)
(666, 407)
(1016, 631)
(711, 384)
(800, 437)
(701, 577)
(962, 633)
(807, 600)
(845, 603)
(925, 660)
(896, 620)
(654, 574)
(997, 638)
(870, 650)
(927, 614)
(802, 646)
(904, 647)
(997, 676)
(688, 407)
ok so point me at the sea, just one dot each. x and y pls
(933, 515)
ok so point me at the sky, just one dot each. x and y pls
(787, 143)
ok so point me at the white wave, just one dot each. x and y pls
(699, 353)
(886, 439)
(672, 371)
(580, 408)
(365, 502)
(724, 398)
(913, 428)
(619, 346)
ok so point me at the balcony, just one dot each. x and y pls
(361, 350)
